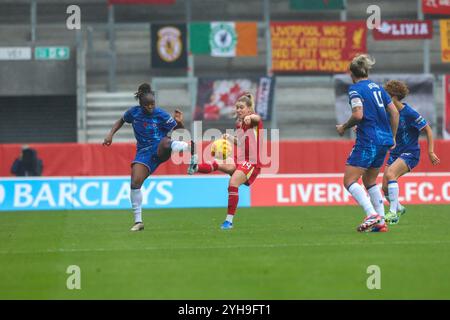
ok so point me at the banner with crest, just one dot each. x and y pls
(168, 49)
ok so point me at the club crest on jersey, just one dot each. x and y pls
(169, 44)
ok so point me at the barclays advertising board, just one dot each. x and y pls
(72, 193)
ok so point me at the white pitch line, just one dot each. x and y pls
(263, 246)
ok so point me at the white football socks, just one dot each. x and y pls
(376, 198)
(136, 204)
(393, 195)
(360, 196)
(178, 146)
(399, 205)
(229, 218)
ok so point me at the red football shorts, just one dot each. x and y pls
(250, 170)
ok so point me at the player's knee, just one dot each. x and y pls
(136, 183)
(390, 175)
(368, 183)
(164, 151)
(165, 143)
(233, 184)
(349, 181)
(164, 154)
(135, 186)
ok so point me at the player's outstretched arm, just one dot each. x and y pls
(179, 118)
(116, 126)
(395, 116)
(253, 119)
(355, 118)
(433, 157)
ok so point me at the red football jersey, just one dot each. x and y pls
(249, 142)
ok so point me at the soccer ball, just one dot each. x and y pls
(221, 149)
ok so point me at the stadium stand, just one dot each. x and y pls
(304, 108)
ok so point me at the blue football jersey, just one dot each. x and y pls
(374, 128)
(409, 127)
(149, 129)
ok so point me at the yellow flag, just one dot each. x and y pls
(445, 39)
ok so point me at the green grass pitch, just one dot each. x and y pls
(272, 253)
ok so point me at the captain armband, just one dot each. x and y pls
(356, 102)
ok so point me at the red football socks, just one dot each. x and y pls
(233, 199)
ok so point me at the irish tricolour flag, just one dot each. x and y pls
(224, 39)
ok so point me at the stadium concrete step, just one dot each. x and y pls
(309, 133)
(92, 115)
(97, 135)
(110, 97)
(170, 98)
(125, 130)
(102, 110)
(104, 123)
(123, 46)
(305, 108)
(111, 104)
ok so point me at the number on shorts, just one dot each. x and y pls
(247, 165)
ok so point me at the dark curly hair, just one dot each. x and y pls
(145, 95)
(396, 88)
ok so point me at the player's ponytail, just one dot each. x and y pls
(361, 64)
(144, 94)
(252, 102)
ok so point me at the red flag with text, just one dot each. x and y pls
(441, 7)
(404, 30)
(316, 46)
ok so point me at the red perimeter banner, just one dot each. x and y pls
(327, 190)
(316, 46)
(441, 7)
(398, 30)
(141, 1)
(446, 118)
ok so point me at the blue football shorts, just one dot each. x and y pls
(410, 158)
(148, 157)
(367, 156)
